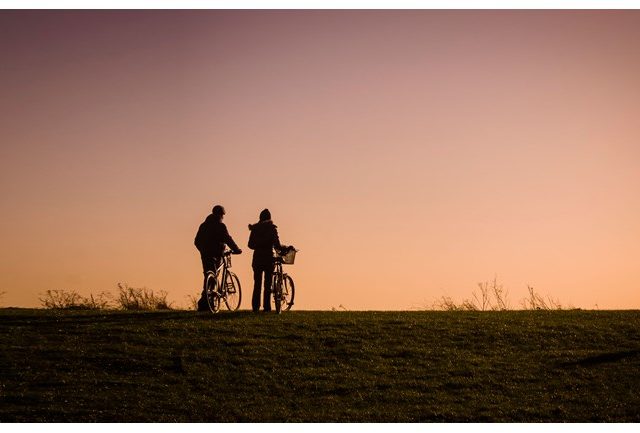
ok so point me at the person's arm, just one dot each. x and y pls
(252, 238)
(276, 239)
(229, 241)
(200, 240)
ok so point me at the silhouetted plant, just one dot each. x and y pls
(501, 296)
(491, 296)
(129, 298)
(482, 302)
(193, 302)
(102, 301)
(445, 303)
(470, 305)
(72, 300)
(2, 295)
(535, 301)
(132, 298)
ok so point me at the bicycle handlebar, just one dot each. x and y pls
(229, 252)
(284, 249)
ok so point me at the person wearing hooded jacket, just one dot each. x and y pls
(262, 240)
(210, 240)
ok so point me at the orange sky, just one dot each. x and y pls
(407, 154)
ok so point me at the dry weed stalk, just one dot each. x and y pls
(492, 296)
(132, 298)
(535, 301)
(72, 300)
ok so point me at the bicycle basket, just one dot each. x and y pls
(289, 257)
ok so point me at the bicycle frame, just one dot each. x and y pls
(283, 288)
(222, 285)
(222, 271)
(276, 284)
(277, 270)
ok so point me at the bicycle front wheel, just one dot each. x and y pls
(288, 293)
(234, 292)
(275, 291)
(211, 292)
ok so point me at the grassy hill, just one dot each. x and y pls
(319, 366)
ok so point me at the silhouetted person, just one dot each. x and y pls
(262, 240)
(210, 240)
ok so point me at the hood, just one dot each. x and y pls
(261, 224)
(212, 218)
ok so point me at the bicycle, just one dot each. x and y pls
(215, 291)
(282, 286)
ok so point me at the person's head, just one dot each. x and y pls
(265, 215)
(218, 211)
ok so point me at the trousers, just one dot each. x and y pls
(262, 272)
(208, 264)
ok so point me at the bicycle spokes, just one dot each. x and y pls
(231, 288)
(222, 285)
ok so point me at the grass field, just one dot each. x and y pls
(85, 366)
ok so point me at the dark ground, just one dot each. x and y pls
(85, 366)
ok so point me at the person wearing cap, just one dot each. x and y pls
(262, 240)
(210, 240)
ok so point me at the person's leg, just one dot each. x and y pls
(208, 263)
(217, 261)
(268, 276)
(257, 282)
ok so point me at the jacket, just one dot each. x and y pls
(212, 236)
(262, 240)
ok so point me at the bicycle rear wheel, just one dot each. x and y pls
(234, 292)
(211, 292)
(288, 293)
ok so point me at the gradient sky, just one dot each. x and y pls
(409, 155)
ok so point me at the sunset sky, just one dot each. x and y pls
(408, 155)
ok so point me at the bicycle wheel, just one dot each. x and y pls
(234, 292)
(276, 289)
(211, 292)
(288, 292)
